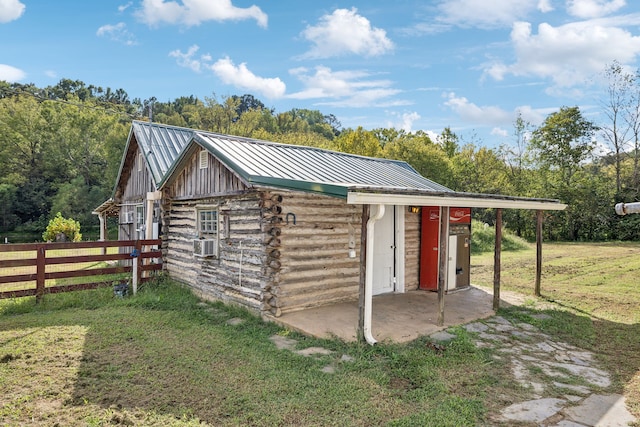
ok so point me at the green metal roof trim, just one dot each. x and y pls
(308, 168)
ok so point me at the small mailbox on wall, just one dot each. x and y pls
(459, 248)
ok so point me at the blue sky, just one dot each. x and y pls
(415, 65)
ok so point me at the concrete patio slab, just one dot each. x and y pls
(396, 317)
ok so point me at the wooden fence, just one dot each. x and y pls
(24, 267)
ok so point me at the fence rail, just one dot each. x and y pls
(35, 257)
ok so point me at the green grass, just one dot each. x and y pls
(164, 358)
(592, 293)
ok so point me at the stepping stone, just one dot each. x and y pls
(283, 343)
(442, 336)
(476, 327)
(311, 351)
(533, 411)
(541, 316)
(499, 320)
(347, 358)
(235, 321)
(329, 369)
(567, 423)
(601, 410)
(580, 389)
(527, 327)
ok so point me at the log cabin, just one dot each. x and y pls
(280, 228)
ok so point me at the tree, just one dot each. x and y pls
(562, 143)
(359, 141)
(616, 108)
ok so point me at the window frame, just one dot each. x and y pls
(207, 227)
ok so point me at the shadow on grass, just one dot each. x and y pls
(164, 358)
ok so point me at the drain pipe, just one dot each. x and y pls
(368, 284)
(627, 208)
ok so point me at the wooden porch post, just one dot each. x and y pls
(496, 261)
(363, 271)
(538, 251)
(443, 262)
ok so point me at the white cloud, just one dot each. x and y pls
(346, 88)
(236, 75)
(118, 33)
(195, 12)
(51, 74)
(11, 74)
(593, 8)
(240, 77)
(472, 113)
(569, 54)
(488, 13)
(124, 7)
(498, 131)
(544, 6)
(407, 121)
(10, 10)
(187, 59)
(346, 32)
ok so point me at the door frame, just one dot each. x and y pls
(399, 248)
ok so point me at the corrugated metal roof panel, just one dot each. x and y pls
(161, 145)
(264, 162)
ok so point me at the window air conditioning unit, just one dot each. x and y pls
(205, 247)
(128, 218)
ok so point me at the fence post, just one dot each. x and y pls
(137, 264)
(40, 269)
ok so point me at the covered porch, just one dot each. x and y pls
(397, 317)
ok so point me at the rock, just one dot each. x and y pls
(534, 411)
(601, 410)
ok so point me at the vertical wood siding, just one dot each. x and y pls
(412, 251)
(194, 182)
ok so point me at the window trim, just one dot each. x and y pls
(213, 230)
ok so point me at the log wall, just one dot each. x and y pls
(316, 268)
(240, 274)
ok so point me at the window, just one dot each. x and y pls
(140, 162)
(140, 227)
(207, 222)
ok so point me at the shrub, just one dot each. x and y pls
(60, 228)
(483, 239)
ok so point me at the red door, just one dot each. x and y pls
(429, 248)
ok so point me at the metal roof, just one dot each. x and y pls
(309, 168)
(161, 145)
(357, 179)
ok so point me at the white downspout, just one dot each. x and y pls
(368, 284)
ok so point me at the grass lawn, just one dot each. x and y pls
(163, 358)
(593, 292)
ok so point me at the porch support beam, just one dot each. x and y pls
(368, 289)
(538, 252)
(496, 261)
(363, 271)
(443, 261)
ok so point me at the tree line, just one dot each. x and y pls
(61, 148)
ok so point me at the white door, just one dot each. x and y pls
(384, 253)
(453, 261)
